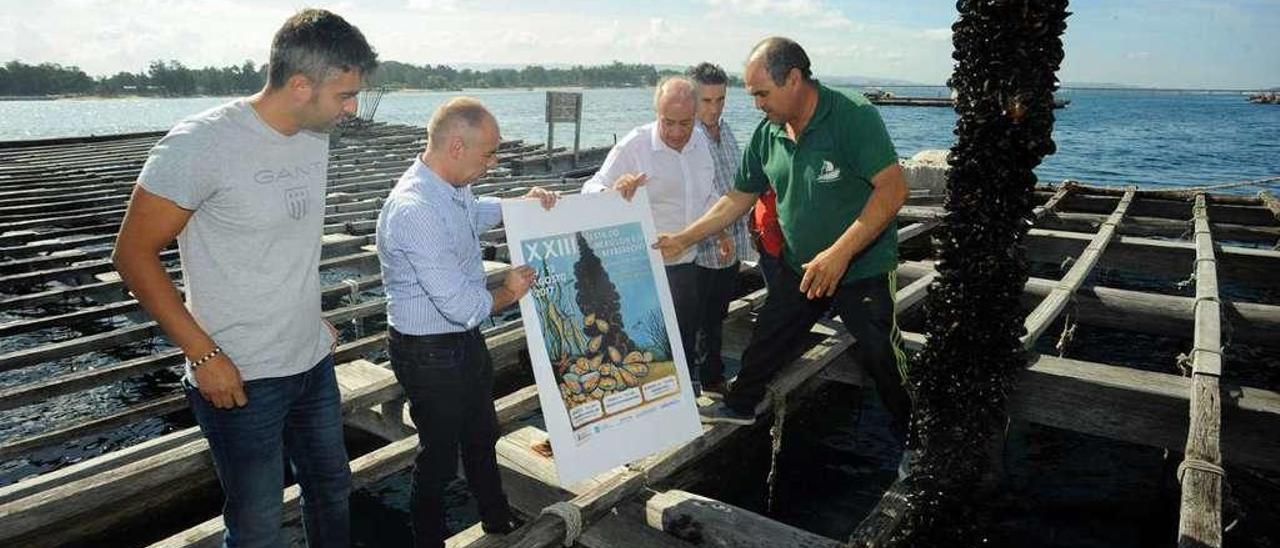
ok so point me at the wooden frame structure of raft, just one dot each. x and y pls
(60, 205)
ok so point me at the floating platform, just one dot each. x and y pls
(884, 99)
(61, 204)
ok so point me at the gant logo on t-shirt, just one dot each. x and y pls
(269, 176)
(830, 172)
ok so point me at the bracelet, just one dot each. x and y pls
(216, 350)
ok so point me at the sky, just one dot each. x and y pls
(1161, 43)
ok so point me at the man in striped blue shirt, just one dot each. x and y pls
(718, 258)
(429, 246)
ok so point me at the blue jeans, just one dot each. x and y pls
(298, 417)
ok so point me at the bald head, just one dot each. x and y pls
(675, 89)
(462, 141)
(676, 100)
(779, 56)
(463, 117)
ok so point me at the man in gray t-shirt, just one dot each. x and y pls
(242, 186)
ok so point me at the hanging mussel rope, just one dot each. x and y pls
(1006, 53)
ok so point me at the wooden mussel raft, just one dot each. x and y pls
(61, 203)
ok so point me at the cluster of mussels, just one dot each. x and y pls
(603, 370)
(1007, 53)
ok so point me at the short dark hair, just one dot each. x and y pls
(316, 43)
(708, 74)
(780, 56)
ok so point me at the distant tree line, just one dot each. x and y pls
(172, 78)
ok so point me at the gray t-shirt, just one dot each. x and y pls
(251, 250)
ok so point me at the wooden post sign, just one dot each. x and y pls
(564, 106)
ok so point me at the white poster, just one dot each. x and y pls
(602, 332)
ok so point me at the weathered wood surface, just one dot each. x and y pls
(529, 479)
(1134, 226)
(548, 530)
(709, 522)
(621, 484)
(1039, 319)
(1153, 257)
(365, 470)
(1181, 194)
(89, 504)
(1175, 209)
(1200, 514)
(1271, 203)
(1137, 311)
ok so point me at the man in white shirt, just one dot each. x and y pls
(673, 160)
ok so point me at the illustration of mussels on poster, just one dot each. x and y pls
(601, 329)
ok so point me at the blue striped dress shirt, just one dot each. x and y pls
(429, 246)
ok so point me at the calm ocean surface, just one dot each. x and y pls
(1107, 137)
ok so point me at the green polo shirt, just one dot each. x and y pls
(824, 180)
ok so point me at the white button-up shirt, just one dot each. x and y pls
(681, 183)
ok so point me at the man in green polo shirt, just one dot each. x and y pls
(839, 187)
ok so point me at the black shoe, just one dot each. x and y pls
(502, 527)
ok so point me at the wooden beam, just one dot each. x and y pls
(1270, 202)
(1176, 209)
(89, 504)
(1136, 311)
(1136, 406)
(1200, 515)
(1247, 265)
(548, 530)
(719, 524)
(365, 470)
(1049, 309)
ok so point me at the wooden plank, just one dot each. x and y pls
(1136, 406)
(719, 524)
(1136, 310)
(1176, 209)
(1145, 256)
(365, 470)
(1134, 226)
(89, 504)
(1049, 309)
(547, 530)
(1200, 513)
(534, 488)
(1270, 202)
(1052, 203)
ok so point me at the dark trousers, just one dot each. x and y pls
(769, 266)
(449, 381)
(683, 280)
(866, 309)
(716, 287)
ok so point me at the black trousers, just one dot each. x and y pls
(683, 280)
(865, 308)
(715, 291)
(449, 381)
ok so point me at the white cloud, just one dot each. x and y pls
(446, 6)
(815, 12)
